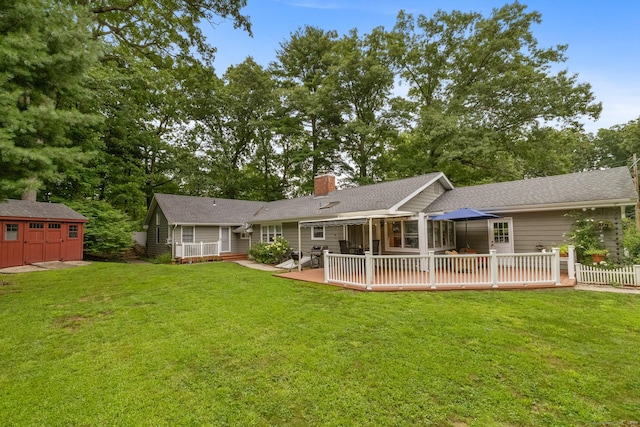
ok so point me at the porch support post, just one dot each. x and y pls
(432, 269)
(299, 248)
(219, 246)
(571, 262)
(555, 266)
(493, 261)
(326, 262)
(370, 243)
(422, 240)
(201, 248)
(368, 269)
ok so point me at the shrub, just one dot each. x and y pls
(584, 235)
(631, 239)
(270, 253)
(108, 232)
(165, 258)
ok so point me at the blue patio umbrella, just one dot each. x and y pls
(464, 214)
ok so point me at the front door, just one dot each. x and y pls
(225, 239)
(53, 247)
(501, 235)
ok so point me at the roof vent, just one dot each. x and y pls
(329, 205)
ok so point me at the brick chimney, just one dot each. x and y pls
(324, 184)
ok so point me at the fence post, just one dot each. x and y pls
(636, 275)
(578, 272)
(201, 248)
(493, 261)
(432, 269)
(368, 269)
(555, 266)
(571, 262)
(326, 261)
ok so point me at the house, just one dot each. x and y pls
(36, 232)
(394, 217)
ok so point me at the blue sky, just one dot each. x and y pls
(603, 37)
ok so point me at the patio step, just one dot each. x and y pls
(234, 257)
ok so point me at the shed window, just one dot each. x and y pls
(36, 225)
(52, 226)
(11, 232)
(73, 231)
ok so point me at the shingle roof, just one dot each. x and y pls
(201, 210)
(381, 196)
(608, 185)
(38, 210)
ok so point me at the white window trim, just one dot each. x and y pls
(268, 233)
(318, 238)
(402, 248)
(182, 230)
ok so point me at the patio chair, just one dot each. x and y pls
(344, 247)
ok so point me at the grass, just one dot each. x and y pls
(220, 344)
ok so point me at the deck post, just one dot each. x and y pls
(368, 269)
(218, 248)
(493, 261)
(201, 248)
(326, 262)
(555, 266)
(432, 269)
(571, 262)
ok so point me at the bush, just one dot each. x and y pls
(270, 253)
(165, 258)
(631, 239)
(584, 235)
(108, 234)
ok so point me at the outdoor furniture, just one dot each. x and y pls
(316, 255)
(344, 247)
(376, 247)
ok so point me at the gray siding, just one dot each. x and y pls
(154, 249)
(424, 198)
(546, 228)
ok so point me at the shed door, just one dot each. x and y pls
(53, 247)
(34, 243)
(11, 240)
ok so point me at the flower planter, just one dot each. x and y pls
(597, 258)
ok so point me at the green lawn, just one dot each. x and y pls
(220, 344)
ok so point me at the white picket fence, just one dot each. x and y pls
(592, 275)
(465, 270)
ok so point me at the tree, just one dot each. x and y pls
(365, 82)
(483, 87)
(305, 70)
(46, 125)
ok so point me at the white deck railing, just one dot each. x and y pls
(467, 270)
(197, 250)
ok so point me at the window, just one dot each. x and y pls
(244, 236)
(36, 225)
(271, 232)
(403, 234)
(188, 234)
(73, 231)
(11, 232)
(317, 233)
(157, 235)
(157, 218)
(54, 226)
(441, 234)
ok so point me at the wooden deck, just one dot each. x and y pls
(316, 275)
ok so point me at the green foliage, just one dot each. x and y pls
(46, 122)
(108, 232)
(270, 253)
(584, 234)
(164, 258)
(220, 344)
(631, 239)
